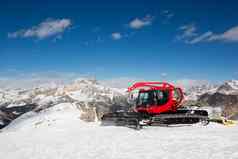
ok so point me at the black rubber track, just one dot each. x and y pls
(133, 119)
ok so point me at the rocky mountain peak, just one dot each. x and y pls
(194, 92)
(228, 87)
(86, 94)
(86, 81)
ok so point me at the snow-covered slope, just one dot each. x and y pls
(58, 133)
(63, 112)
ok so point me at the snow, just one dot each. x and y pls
(47, 100)
(79, 96)
(60, 112)
(14, 96)
(89, 90)
(80, 90)
(58, 133)
(233, 84)
(229, 87)
(18, 104)
(193, 93)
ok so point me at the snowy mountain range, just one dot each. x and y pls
(85, 94)
(223, 96)
(80, 90)
(227, 88)
(49, 122)
(93, 99)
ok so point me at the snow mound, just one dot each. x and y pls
(50, 116)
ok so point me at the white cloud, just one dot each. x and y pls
(187, 31)
(200, 38)
(168, 14)
(47, 28)
(164, 74)
(229, 35)
(138, 23)
(189, 35)
(116, 36)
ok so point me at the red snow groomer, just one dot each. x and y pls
(157, 103)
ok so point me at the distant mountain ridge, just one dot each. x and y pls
(85, 94)
(93, 99)
(224, 96)
(228, 87)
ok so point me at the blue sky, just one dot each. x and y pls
(126, 38)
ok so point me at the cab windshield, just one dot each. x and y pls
(153, 97)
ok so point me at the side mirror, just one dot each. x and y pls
(178, 95)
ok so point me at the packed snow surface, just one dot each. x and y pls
(58, 133)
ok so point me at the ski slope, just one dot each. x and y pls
(58, 133)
